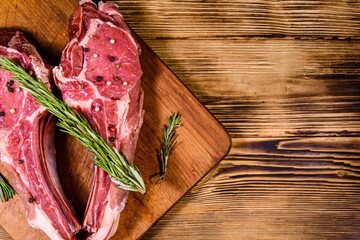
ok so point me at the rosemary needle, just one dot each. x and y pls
(123, 173)
(6, 191)
(167, 143)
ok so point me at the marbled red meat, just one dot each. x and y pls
(99, 76)
(27, 147)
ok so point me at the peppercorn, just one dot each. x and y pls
(11, 82)
(99, 78)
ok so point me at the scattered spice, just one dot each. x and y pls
(95, 55)
(80, 86)
(20, 161)
(99, 78)
(18, 89)
(108, 83)
(10, 89)
(2, 114)
(117, 79)
(112, 129)
(12, 110)
(11, 82)
(124, 83)
(30, 72)
(117, 65)
(112, 139)
(112, 58)
(112, 41)
(31, 200)
(86, 49)
(97, 109)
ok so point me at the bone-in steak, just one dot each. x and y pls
(27, 143)
(99, 75)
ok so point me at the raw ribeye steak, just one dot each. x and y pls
(99, 76)
(27, 147)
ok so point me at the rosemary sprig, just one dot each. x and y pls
(6, 190)
(125, 174)
(167, 143)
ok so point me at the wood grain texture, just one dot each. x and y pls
(278, 188)
(244, 18)
(283, 77)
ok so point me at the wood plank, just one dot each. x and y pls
(203, 142)
(272, 87)
(245, 18)
(262, 67)
(284, 188)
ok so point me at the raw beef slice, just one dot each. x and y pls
(27, 147)
(99, 76)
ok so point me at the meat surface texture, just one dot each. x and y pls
(99, 76)
(27, 147)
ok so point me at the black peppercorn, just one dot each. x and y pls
(10, 89)
(99, 78)
(112, 139)
(20, 161)
(2, 114)
(112, 58)
(31, 200)
(86, 49)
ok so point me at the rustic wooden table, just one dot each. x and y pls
(283, 78)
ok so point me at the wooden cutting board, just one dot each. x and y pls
(202, 141)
